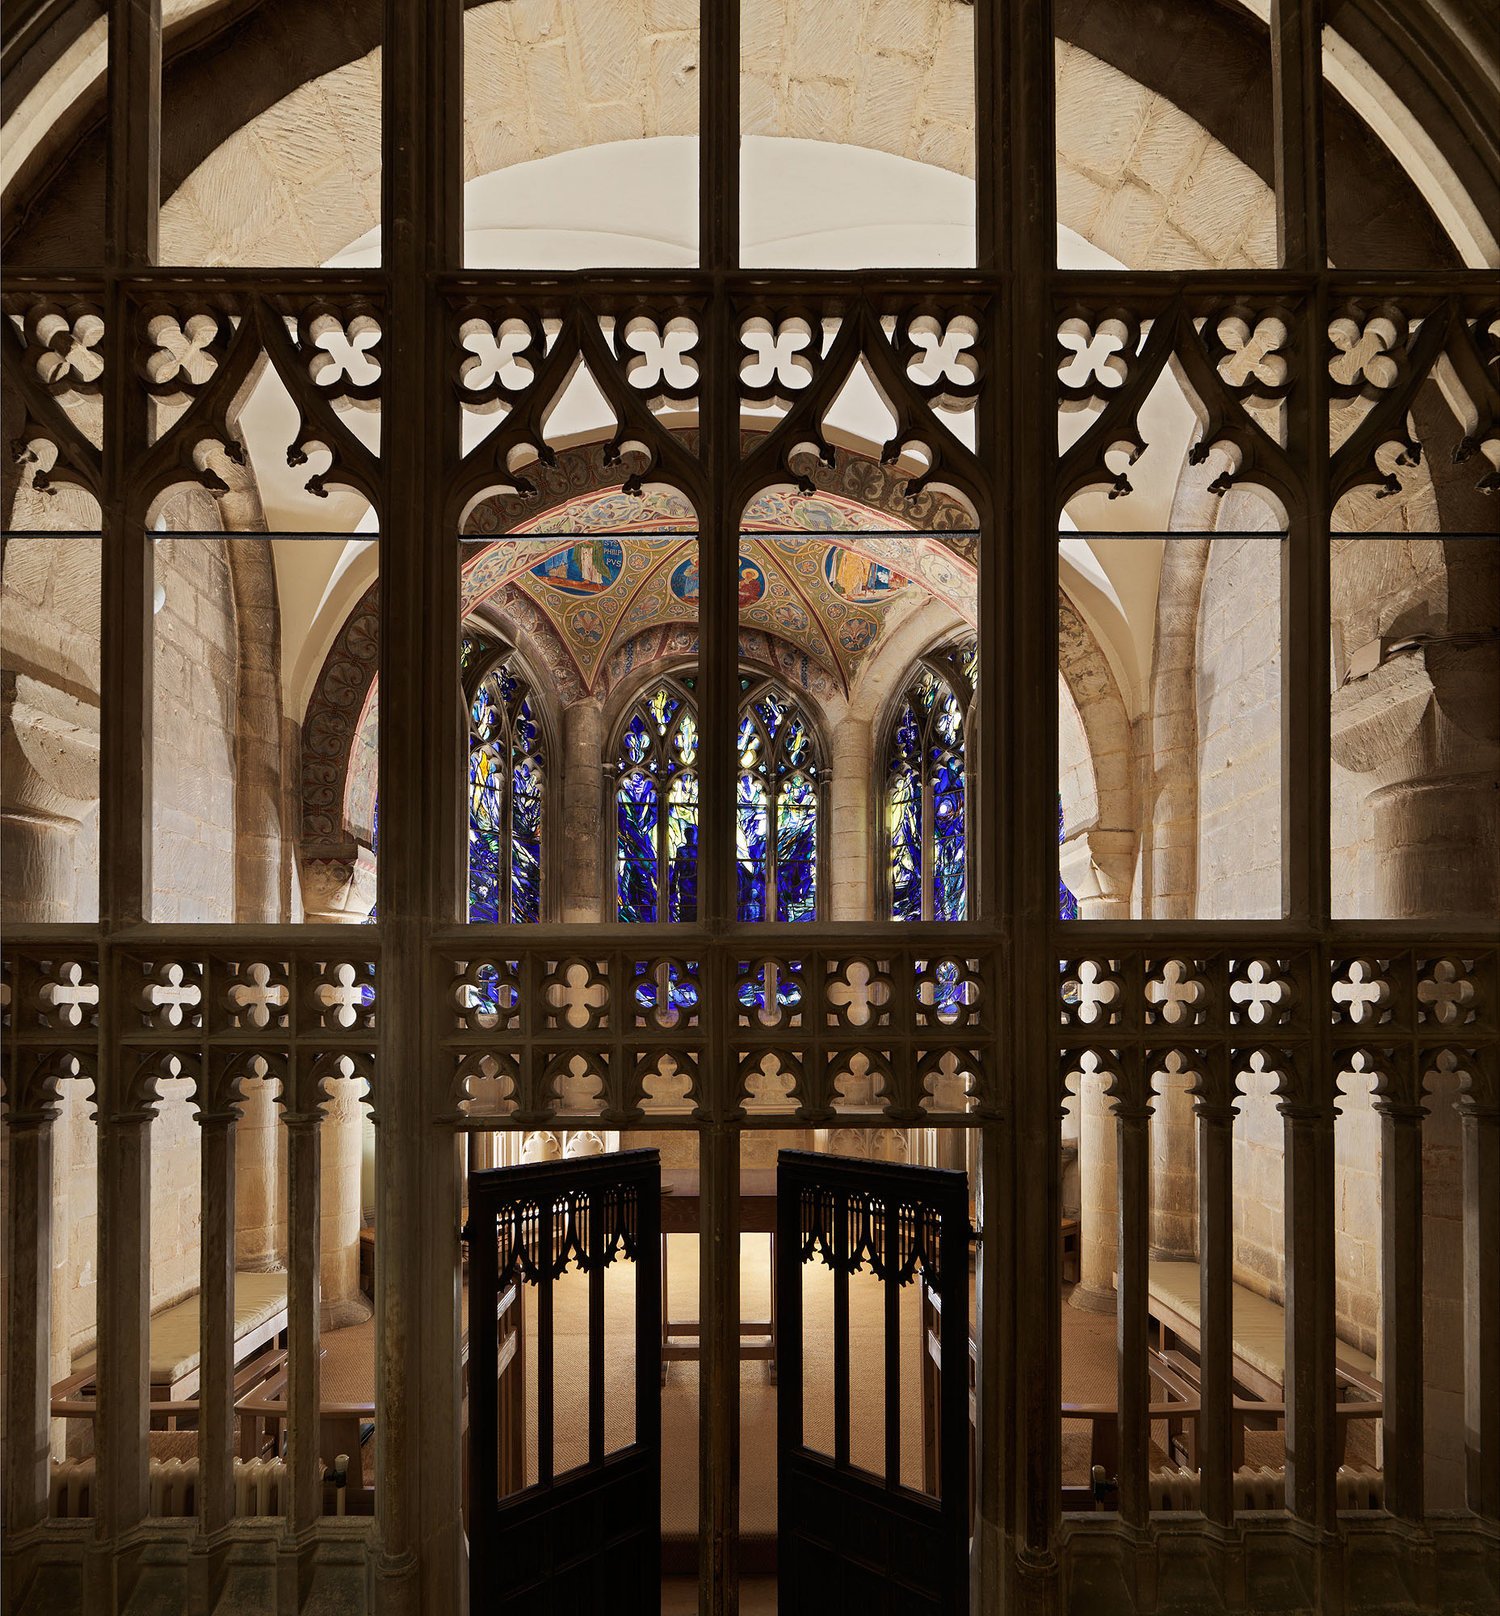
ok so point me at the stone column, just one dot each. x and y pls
(1415, 719)
(1174, 1170)
(850, 823)
(1479, 1108)
(1101, 865)
(578, 869)
(49, 762)
(1098, 1159)
(28, 1331)
(260, 1228)
(340, 1145)
(261, 885)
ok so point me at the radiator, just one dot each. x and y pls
(173, 1487)
(1359, 1487)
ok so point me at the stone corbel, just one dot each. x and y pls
(1098, 868)
(338, 887)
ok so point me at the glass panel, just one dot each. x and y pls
(1416, 742)
(1157, 168)
(49, 656)
(857, 125)
(581, 135)
(1170, 661)
(277, 150)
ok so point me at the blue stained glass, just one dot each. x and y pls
(796, 743)
(663, 707)
(749, 745)
(682, 848)
(685, 742)
(949, 722)
(637, 740)
(797, 850)
(526, 730)
(526, 844)
(752, 823)
(927, 791)
(482, 714)
(635, 848)
(506, 786)
(771, 709)
(1067, 904)
(903, 794)
(949, 887)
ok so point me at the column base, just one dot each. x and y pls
(340, 1315)
(1093, 1299)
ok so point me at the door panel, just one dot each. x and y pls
(855, 1538)
(589, 1538)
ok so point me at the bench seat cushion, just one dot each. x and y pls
(1259, 1323)
(258, 1298)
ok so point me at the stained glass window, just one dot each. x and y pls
(1067, 904)
(656, 807)
(507, 794)
(926, 790)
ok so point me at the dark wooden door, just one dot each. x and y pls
(545, 1540)
(879, 1527)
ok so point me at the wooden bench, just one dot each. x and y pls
(1259, 1345)
(259, 1321)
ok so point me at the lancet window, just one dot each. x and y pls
(926, 789)
(507, 792)
(777, 806)
(656, 806)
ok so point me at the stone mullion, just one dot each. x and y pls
(133, 95)
(1132, 1111)
(1479, 1109)
(1398, 1101)
(216, 1423)
(421, 1556)
(124, 1291)
(304, 1495)
(28, 1316)
(1307, 1108)
(718, 639)
(1017, 211)
(1215, 1112)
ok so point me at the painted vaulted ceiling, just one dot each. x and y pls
(821, 573)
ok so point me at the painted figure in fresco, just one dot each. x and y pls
(752, 582)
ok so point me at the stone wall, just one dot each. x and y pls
(176, 1186)
(1259, 1203)
(1239, 732)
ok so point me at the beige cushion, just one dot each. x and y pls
(258, 1298)
(1259, 1323)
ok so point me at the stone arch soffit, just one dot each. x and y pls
(882, 682)
(248, 79)
(1091, 685)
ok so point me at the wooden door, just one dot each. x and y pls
(565, 1528)
(879, 1527)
